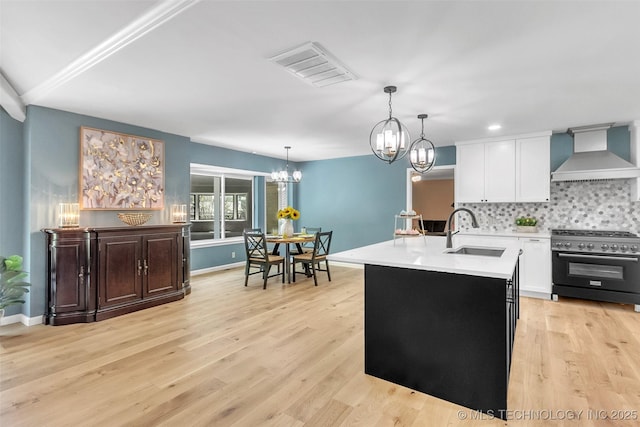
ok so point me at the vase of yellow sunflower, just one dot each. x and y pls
(286, 217)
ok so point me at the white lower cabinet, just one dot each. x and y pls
(535, 266)
(535, 261)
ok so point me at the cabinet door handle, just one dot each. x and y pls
(146, 267)
(139, 267)
(81, 275)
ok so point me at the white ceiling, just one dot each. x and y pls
(203, 71)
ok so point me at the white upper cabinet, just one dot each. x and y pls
(469, 173)
(533, 177)
(485, 172)
(501, 171)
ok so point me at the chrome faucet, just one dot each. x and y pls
(474, 224)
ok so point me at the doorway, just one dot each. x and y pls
(432, 195)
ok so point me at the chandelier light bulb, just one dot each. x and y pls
(423, 152)
(283, 175)
(388, 138)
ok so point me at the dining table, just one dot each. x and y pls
(297, 239)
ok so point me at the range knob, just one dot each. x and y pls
(604, 246)
(590, 246)
(558, 244)
(614, 247)
(567, 245)
(624, 248)
(580, 245)
(634, 248)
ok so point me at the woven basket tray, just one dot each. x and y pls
(134, 218)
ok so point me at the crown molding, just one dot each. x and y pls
(153, 18)
(10, 100)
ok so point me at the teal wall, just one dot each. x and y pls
(619, 141)
(356, 197)
(561, 149)
(12, 200)
(214, 256)
(218, 156)
(446, 155)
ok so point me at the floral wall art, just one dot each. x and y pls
(119, 171)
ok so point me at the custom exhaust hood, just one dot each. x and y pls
(591, 160)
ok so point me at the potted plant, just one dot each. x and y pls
(12, 285)
(526, 224)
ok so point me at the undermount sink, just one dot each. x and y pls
(477, 250)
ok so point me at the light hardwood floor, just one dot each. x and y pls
(292, 355)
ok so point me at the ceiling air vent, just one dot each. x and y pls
(314, 65)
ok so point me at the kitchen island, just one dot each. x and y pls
(438, 322)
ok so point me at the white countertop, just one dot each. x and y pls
(412, 252)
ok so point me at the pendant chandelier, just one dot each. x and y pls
(283, 175)
(389, 139)
(423, 152)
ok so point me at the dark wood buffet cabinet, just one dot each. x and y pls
(96, 273)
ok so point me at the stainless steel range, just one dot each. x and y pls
(599, 265)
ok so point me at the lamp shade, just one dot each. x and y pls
(389, 139)
(423, 152)
(283, 175)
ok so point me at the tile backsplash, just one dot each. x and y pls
(604, 205)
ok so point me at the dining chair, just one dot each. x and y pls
(255, 244)
(315, 257)
(308, 246)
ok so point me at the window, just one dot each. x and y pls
(205, 207)
(221, 205)
(273, 204)
(225, 201)
(235, 206)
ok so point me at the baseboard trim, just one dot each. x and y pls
(535, 294)
(347, 264)
(21, 318)
(242, 263)
(217, 268)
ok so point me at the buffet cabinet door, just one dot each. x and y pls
(160, 269)
(121, 270)
(71, 292)
(135, 267)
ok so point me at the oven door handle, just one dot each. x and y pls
(601, 257)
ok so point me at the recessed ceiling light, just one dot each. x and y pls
(494, 127)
